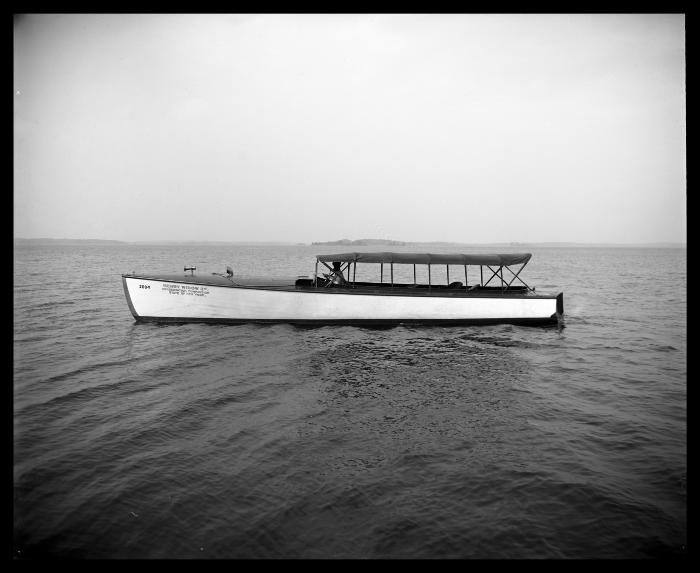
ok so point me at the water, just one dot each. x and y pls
(269, 441)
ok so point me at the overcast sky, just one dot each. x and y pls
(465, 128)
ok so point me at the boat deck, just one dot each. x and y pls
(410, 289)
(369, 288)
(215, 280)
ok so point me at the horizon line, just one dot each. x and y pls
(339, 242)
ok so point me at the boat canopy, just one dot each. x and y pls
(429, 258)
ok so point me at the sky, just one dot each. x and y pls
(465, 128)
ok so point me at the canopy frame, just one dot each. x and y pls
(343, 269)
(506, 285)
(493, 259)
(515, 276)
(495, 274)
(348, 260)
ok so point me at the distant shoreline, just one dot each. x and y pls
(344, 243)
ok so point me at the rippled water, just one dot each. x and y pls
(222, 441)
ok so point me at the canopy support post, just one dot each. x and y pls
(381, 273)
(316, 275)
(414, 274)
(392, 274)
(429, 283)
(448, 273)
(466, 279)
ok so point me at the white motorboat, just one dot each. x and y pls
(335, 296)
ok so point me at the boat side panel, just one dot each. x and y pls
(163, 300)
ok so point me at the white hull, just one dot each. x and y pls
(159, 300)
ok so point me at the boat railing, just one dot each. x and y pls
(323, 283)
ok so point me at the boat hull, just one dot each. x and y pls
(160, 300)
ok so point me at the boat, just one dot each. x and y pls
(335, 297)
